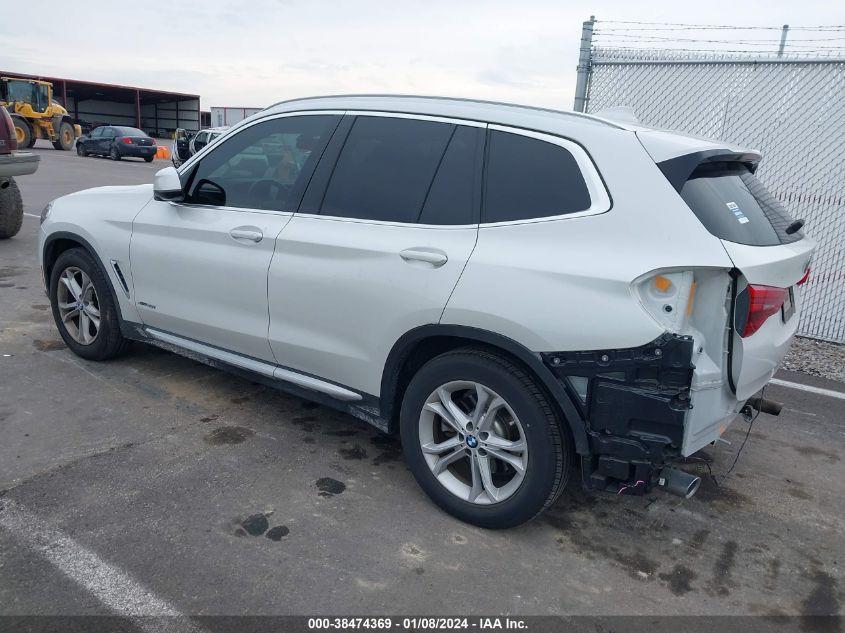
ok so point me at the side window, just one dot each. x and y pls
(97, 132)
(529, 178)
(385, 169)
(453, 196)
(265, 166)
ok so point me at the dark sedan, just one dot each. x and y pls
(117, 142)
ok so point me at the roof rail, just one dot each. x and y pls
(580, 115)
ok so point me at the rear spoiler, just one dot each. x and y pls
(678, 154)
(678, 170)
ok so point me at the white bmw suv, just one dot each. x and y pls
(509, 288)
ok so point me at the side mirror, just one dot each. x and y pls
(167, 186)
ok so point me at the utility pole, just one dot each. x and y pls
(584, 63)
(783, 39)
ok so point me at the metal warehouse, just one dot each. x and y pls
(157, 112)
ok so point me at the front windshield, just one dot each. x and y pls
(21, 91)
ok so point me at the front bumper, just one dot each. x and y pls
(18, 164)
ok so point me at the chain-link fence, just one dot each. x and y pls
(792, 109)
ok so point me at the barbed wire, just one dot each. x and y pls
(652, 46)
(775, 40)
(699, 38)
(623, 52)
(681, 25)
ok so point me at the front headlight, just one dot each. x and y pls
(46, 211)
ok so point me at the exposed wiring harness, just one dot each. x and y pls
(747, 434)
(706, 462)
(639, 482)
(713, 477)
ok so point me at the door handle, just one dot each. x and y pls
(428, 255)
(246, 233)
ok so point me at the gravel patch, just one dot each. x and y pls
(817, 358)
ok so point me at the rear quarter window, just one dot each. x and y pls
(735, 206)
(529, 178)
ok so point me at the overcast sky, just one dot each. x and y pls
(256, 52)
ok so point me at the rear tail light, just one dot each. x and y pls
(804, 279)
(762, 302)
(127, 140)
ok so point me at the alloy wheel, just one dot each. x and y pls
(79, 307)
(473, 442)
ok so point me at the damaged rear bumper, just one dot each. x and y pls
(634, 403)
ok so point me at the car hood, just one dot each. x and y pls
(119, 202)
(86, 212)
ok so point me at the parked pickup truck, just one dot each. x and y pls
(12, 163)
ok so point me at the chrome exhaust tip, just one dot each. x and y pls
(678, 482)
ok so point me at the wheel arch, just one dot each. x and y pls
(58, 119)
(24, 120)
(59, 242)
(418, 346)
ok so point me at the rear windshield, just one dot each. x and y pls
(129, 131)
(735, 206)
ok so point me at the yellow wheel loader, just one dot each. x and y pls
(35, 113)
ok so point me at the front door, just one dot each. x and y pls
(199, 141)
(98, 140)
(200, 266)
(378, 245)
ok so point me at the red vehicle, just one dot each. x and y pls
(12, 163)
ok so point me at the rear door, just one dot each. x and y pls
(771, 256)
(199, 267)
(105, 142)
(382, 236)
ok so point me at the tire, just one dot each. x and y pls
(80, 150)
(114, 154)
(11, 210)
(529, 420)
(23, 133)
(149, 159)
(107, 341)
(64, 141)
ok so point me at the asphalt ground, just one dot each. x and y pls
(152, 484)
